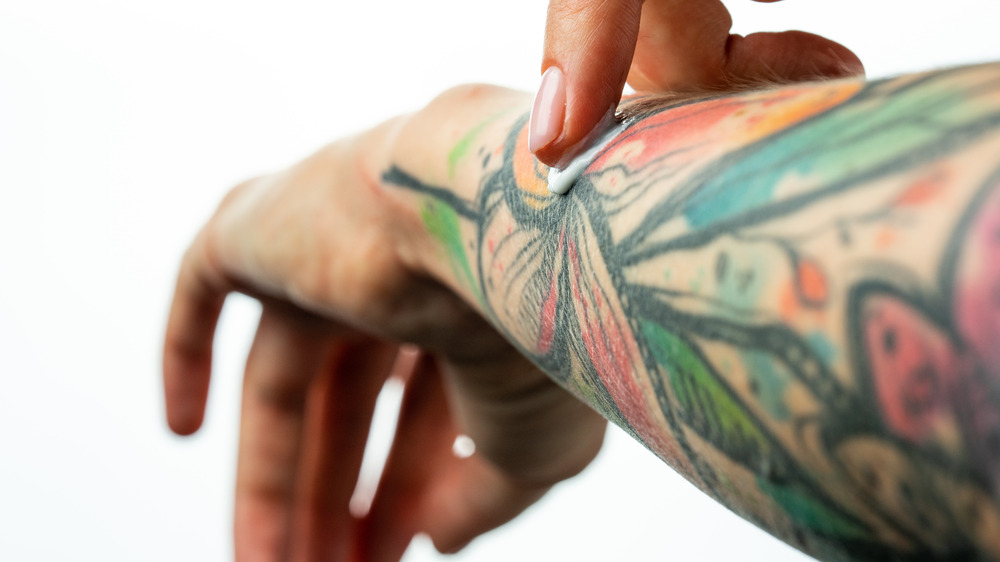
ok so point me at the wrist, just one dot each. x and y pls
(436, 161)
(373, 156)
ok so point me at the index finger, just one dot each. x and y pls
(187, 348)
(588, 49)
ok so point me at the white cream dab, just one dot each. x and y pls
(561, 180)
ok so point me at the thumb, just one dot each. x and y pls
(470, 498)
(588, 50)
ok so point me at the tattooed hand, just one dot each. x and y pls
(321, 249)
(659, 45)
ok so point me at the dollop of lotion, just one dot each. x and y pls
(560, 181)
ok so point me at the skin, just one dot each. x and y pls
(666, 46)
(324, 347)
(787, 295)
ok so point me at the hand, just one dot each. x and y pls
(321, 248)
(593, 46)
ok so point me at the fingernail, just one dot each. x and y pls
(548, 111)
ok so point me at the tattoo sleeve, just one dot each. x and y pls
(790, 296)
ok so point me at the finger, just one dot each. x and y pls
(187, 349)
(420, 449)
(685, 45)
(529, 435)
(406, 362)
(588, 47)
(287, 354)
(789, 56)
(528, 427)
(426, 488)
(681, 45)
(338, 417)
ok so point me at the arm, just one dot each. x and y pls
(789, 296)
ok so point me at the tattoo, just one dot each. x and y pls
(461, 148)
(769, 292)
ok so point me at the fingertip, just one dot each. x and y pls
(828, 58)
(550, 155)
(185, 427)
(184, 417)
(449, 545)
(845, 62)
(187, 342)
(471, 499)
(790, 56)
(582, 129)
(187, 367)
(184, 395)
(448, 542)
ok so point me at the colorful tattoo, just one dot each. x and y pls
(791, 296)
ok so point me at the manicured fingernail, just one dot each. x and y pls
(549, 110)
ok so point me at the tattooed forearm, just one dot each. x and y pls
(793, 297)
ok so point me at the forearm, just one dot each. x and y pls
(789, 296)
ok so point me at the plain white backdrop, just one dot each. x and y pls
(122, 123)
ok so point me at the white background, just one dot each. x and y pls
(122, 123)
